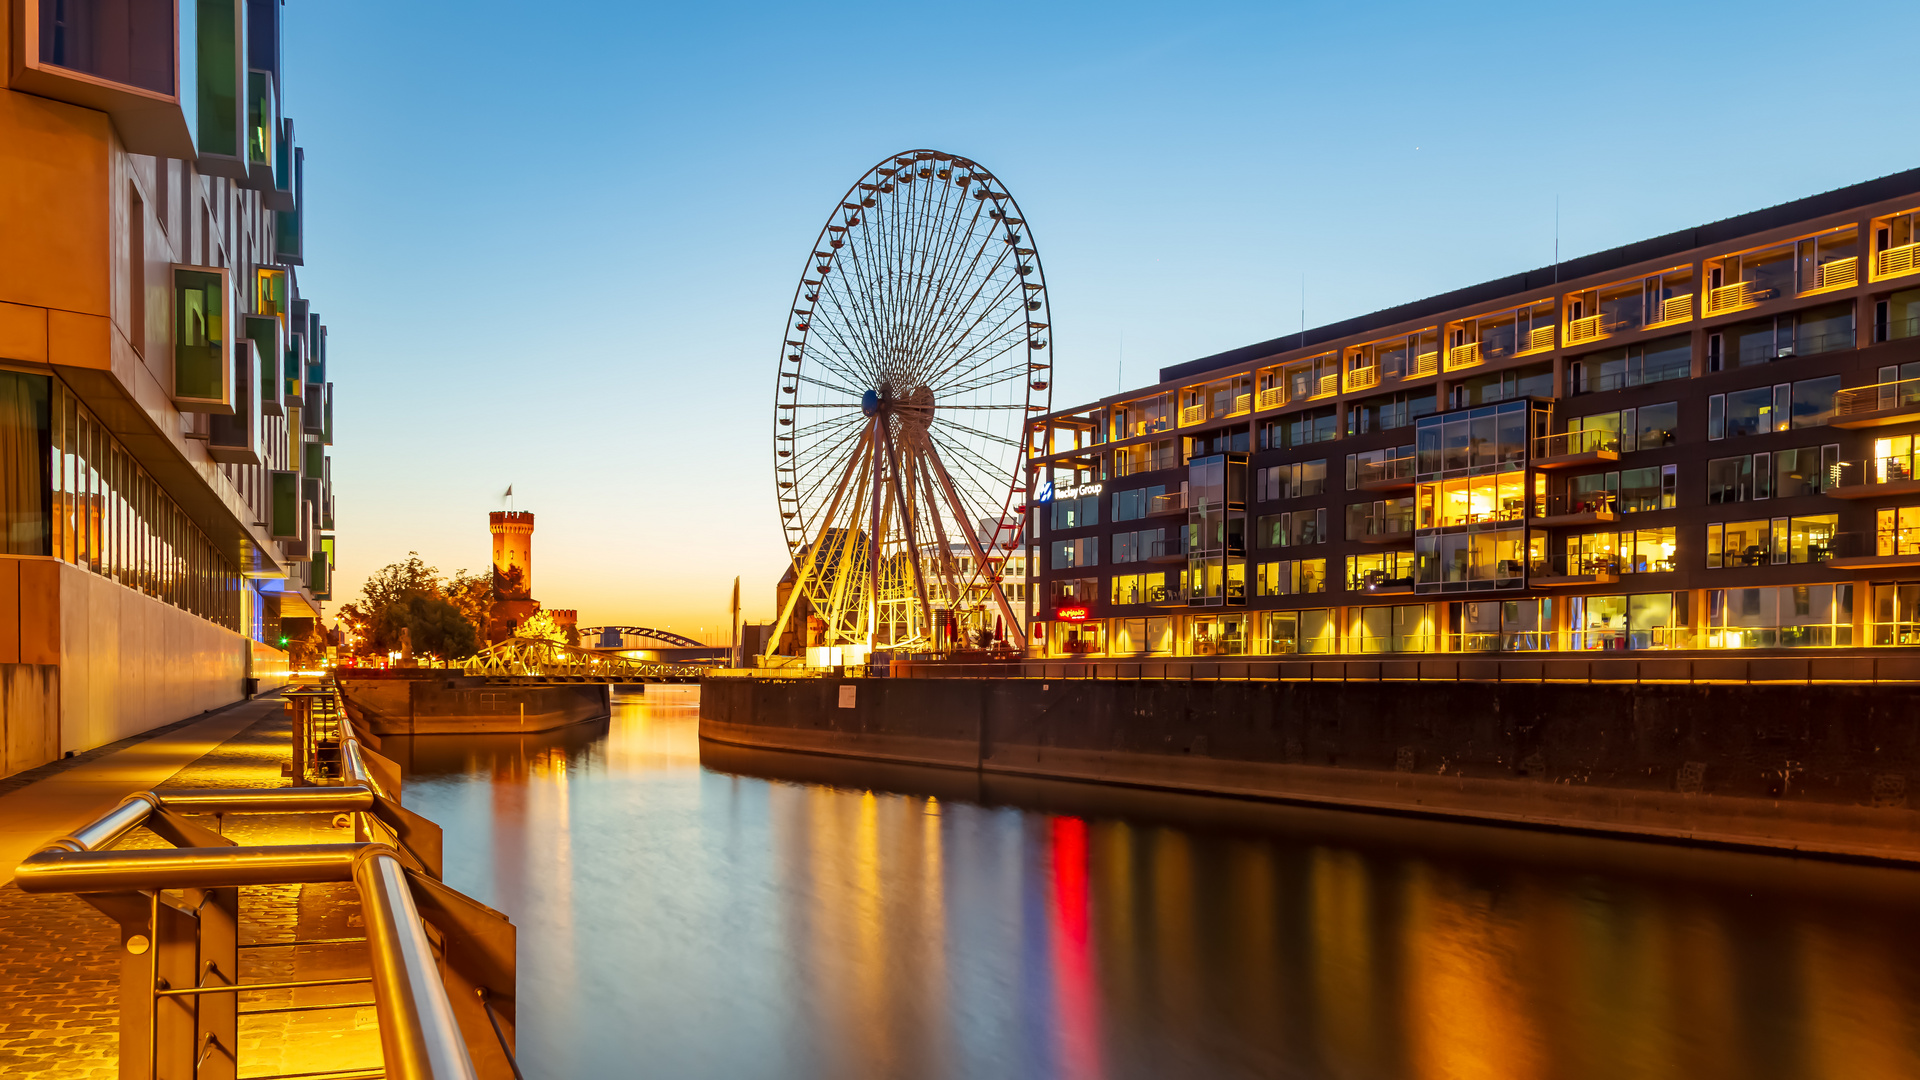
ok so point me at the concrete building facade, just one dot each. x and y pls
(165, 403)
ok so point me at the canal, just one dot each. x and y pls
(690, 910)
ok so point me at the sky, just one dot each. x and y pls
(568, 269)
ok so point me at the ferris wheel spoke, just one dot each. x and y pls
(831, 422)
(854, 394)
(1009, 343)
(1013, 444)
(985, 380)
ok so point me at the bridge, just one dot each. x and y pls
(615, 637)
(541, 658)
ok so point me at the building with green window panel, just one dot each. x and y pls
(166, 500)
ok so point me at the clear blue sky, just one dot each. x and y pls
(559, 254)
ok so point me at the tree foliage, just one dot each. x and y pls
(446, 617)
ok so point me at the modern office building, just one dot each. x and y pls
(165, 404)
(1702, 441)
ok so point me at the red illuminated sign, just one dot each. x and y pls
(1070, 614)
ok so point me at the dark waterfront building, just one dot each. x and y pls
(1701, 441)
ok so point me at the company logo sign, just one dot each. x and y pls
(1048, 492)
(1071, 614)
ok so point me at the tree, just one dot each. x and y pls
(541, 624)
(438, 628)
(444, 617)
(473, 595)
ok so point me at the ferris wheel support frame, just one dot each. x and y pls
(979, 554)
(813, 553)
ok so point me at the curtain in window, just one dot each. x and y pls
(23, 464)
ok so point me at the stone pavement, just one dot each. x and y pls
(59, 958)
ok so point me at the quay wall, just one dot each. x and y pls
(425, 702)
(1815, 768)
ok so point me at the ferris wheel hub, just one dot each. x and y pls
(870, 402)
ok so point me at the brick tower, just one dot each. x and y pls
(512, 572)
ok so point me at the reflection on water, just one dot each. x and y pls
(690, 910)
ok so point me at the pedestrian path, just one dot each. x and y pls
(64, 795)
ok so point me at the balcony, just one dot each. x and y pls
(1871, 551)
(1877, 405)
(1393, 474)
(1325, 385)
(1164, 553)
(1384, 531)
(1539, 339)
(1874, 478)
(1674, 309)
(1273, 397)
(1586, 508)
(1173, 502)
(1896, 261)
(1736, 297)
(1424, 364)
(1582, 330)
(1836, 274)
(1242, 405)
(1574, 448)
(1364, 378)
(1193, 414)
(1463, 356)
(1565, 570)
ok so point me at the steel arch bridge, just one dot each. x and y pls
(666, 637)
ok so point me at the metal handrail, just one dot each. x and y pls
(420, 1036)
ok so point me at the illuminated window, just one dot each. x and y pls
(1786, 616)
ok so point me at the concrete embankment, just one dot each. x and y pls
(1809, 768)
(427, 702)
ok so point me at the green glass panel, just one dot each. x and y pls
(199, 346)
(217, 128)
(286, 504)
(259, 118)
(314, 467)
(266, 342)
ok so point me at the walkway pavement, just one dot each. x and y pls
(60, 960)
(53, 800)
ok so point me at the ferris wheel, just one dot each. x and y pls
(916, 349)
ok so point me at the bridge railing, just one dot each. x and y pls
(442, 965)
(554, 659)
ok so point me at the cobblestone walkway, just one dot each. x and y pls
(59, 958)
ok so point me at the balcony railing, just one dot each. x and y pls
(1590, 505)
(1587, 329)
(1426, 363)
(1879, 397)
(1575, 566)
(1193, 414)
(1173, 502)
(1675, 309)
(1568, 443)
(1273, 397)
(1392, 470)
(1364, 378)
(1837, 274)
(1462, 356)
(1734, 297)
(1893, 262)
(1242, 405)
(1539, 339)
(1326, 384)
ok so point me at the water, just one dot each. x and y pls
(689, 910)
